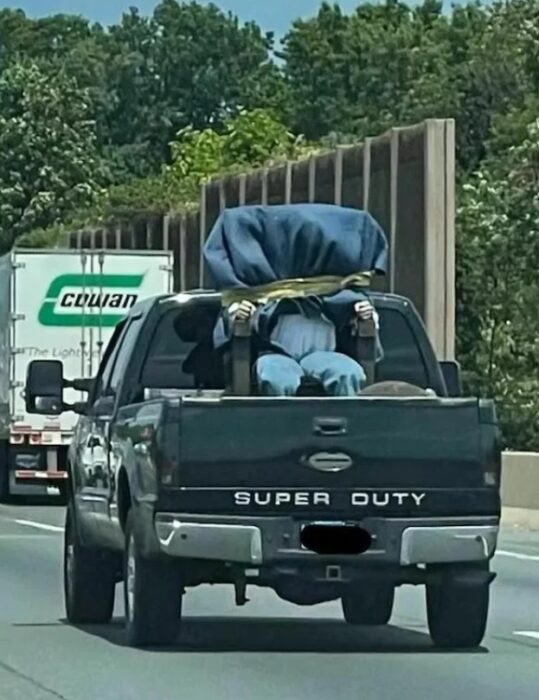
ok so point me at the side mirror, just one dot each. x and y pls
(45, 388)
(452, 377)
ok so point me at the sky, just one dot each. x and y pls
(273, 15)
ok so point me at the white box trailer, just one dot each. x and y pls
(64, 305)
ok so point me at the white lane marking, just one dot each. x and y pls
(39, 526)
(531, 635)
(517, 555)
(21, 537)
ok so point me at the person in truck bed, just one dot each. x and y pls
(300, 338)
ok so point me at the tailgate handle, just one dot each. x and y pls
(330, 426)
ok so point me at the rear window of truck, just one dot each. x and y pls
(172, 358)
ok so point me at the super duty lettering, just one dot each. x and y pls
(320, 498)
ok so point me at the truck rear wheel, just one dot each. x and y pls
(457, 612)
(152, 594)
(89, 579)
(368, 605)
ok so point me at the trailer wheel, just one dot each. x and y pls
(368, 605)
(89, 579)
(457, 612)
(152, 593)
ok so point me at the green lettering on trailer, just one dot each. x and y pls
(90, 286)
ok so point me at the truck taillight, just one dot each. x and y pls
(491, 443)
(491, 478)
(493, 465)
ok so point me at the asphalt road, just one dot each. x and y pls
(268, 650)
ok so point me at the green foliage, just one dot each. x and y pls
(498, 313)
(50, 38)
(147, 78)
(250, 140)
(187, 66)
(196, 156)
(494, 73)
(391, 63)
(49, 164)
(383, 65)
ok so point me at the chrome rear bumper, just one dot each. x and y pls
(234, 543)
(262, 541)
(439, 545)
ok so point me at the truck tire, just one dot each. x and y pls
(152, 595)
(457, 612)
(4, 473)
(64, 493)
(89, 579)
(368, 605)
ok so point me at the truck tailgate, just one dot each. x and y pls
(382, 447)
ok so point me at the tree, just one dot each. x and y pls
(212, 64)
(133, 124)
(315, 63)
(148, 77)
(493, 69)
(383, 65)
(46, 38)
(49, 164)
(248, 141)
(497, 290)
(390, 64)
(189, 65)
(61, 43)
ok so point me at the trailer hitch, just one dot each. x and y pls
(240, 590)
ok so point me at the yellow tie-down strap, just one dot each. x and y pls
(299, 288)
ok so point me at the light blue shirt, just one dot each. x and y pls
(299, 335)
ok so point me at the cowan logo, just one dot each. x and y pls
(92, 301)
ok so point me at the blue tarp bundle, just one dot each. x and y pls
(256, 245)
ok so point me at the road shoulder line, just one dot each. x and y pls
(39, 526)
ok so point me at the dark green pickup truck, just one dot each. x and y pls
(181, 475)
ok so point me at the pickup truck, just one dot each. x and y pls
(319, 498)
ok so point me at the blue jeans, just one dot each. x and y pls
(280, 375)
